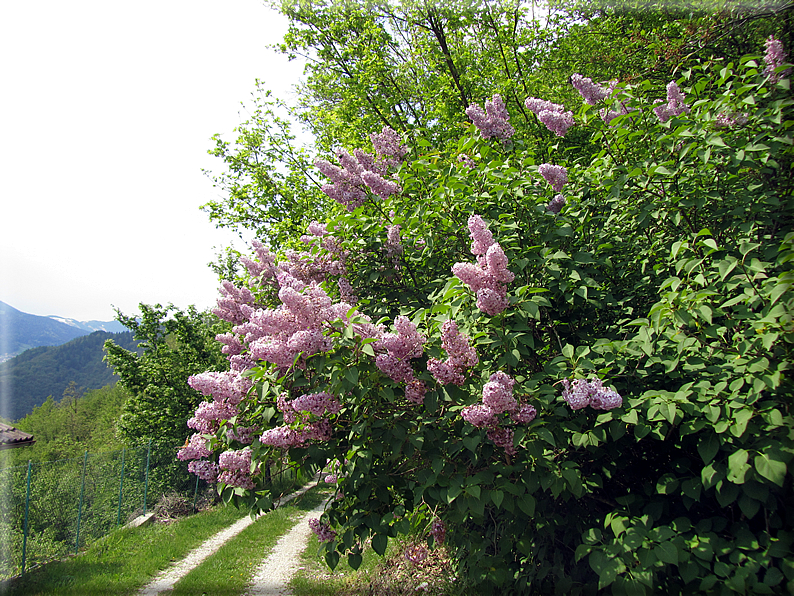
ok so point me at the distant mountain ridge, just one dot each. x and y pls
(29, 378)
(91, 326)
(20, 331)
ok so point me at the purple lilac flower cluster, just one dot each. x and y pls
(206, 470)
(583, 393)
(494, 121)
(263, 270)
(231, 301)
(311, 410)
(438, 531)
(730, 119)
(460, 356)
(774, 57)
(590, 92)
(236, 468)
(553, 115)
(195, 448)
(489, 276)
(556, 204)
(393, 246)
(557, 176)
(497, 398)
(609, 115)
(675, 105)
(394, 352)
(363, 170)
(323, 531)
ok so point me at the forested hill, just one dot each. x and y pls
(29, 378)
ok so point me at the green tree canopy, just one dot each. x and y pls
(176, 344)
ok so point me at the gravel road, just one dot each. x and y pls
(167, 578)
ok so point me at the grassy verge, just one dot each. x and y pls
(228, 572)
(124, 561)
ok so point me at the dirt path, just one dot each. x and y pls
(167, 578)
(274, 574)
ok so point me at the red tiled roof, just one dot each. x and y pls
(11, 437)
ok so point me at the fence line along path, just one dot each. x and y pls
(167, 578)
(274, 574)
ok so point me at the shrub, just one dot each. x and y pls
(598, 398)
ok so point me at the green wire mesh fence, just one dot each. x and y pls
(51, 509)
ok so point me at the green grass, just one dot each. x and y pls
(228, 572)
(125, 560)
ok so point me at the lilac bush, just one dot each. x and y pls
(594, 401)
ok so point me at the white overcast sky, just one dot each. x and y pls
(107, 109)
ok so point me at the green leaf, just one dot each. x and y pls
(708, 446)
(666, 552)
(471, 442)
(497, 497)
(770, 467)
(354, 560)
(379, 543)
(351, 374)
(738, 466)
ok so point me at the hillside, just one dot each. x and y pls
(29, 378)
(20, 331)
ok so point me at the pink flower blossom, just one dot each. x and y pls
(206, 470)
(196, 448)
(525, 414)
(774, 57)
(488, 277)
(494, 121)
(478, 415)
(589, 91)
(497, 393)
(323, 531)
(502, 437)
(318, 404)
(415, 391)
(582, 393)
(556, 204)
(557, 176)
(675, 105)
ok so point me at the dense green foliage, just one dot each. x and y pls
(175, 344)
(667, 275)
(47, 371)
(415, 68)
(74, 424)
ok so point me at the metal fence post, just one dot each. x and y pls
(121, 486)
(80, 507)
(25, 526)
(146, 481)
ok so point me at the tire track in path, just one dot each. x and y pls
(166, 579)
(272, 577)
